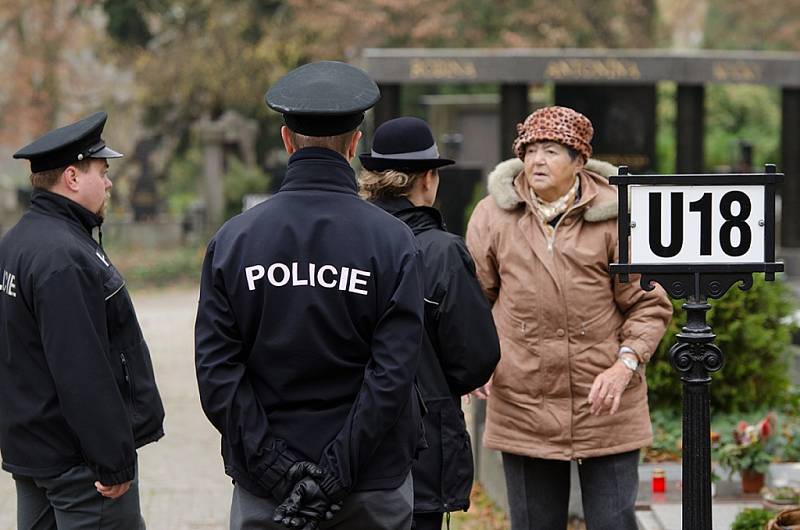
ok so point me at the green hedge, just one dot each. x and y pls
(752, 519)
(754, 331)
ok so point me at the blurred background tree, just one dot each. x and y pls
(333, 31)
(753, 25)
(202, 57)
(42, 73)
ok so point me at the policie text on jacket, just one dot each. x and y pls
(310, 275)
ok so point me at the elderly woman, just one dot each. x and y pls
(460, 346)
(570, 383)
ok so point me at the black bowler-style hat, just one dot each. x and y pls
(404, 144)
(69, 144)
(325, 98)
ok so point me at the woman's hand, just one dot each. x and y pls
(483, 392)
(607, 389)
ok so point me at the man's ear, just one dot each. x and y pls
(69, 177)
(286, 136)
(353, 147)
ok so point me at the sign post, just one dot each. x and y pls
(697, 236)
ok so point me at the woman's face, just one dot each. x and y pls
(549, 169)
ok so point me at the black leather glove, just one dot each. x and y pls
(305, 506)
(295, 474)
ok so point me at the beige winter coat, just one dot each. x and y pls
(561, 321)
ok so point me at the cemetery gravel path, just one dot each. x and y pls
(182, 482)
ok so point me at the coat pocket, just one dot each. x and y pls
(518, 375)
(457, 467)
(147, 410)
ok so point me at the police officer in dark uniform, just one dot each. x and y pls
(309, 327)
(77, 390)
(460, 348)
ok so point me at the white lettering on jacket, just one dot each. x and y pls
(309, 275)
(9, 284)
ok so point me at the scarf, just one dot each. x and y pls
(547, 211)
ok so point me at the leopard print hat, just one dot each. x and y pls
(556, 124)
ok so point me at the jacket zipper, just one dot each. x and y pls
(551, 241)
(127, 375)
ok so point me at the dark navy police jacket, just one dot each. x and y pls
(76, 380)
(308, 334)
(460, 350)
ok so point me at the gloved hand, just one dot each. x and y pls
(297, 472)
(305, 506)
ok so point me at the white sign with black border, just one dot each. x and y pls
(681, 228)
(696, 224)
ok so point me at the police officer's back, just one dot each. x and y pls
(77, 391)
(309, 325)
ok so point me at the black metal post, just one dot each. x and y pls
(695, 356)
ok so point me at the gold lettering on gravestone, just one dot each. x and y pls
(738, 71)
(633, 160)
(592, 69)
(442, 69)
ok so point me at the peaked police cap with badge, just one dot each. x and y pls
(325, 98)
(69, 144)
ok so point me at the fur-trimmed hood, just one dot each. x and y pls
(501, 188)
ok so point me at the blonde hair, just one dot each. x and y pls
(387, 183)
(47, 179)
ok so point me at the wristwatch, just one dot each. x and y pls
(628, 358)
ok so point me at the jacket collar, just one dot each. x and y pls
(418, 218)
(56, 205)
(317, 168)
(588, 191)
(599, 206)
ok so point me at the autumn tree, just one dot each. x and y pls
(201, 57)
(37, 37)
(753, 25)
(344, 27)
(52, 72)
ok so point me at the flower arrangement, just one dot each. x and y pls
(752, 448)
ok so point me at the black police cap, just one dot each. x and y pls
(325, 98)
(68, 144)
